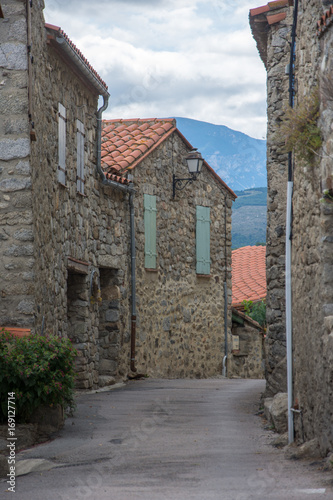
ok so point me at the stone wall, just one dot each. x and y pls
(312, 228)
(278, 54)
(247, 359)
(77, 237)
(56, 243)
(180, 327)
(312, 255)
(67, 262)
(16, 229)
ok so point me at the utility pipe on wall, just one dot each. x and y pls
(289, 315)
(288, 243)
(224, 368)
(99, 137)
(133, 284)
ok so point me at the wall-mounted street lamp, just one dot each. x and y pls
(194, 164)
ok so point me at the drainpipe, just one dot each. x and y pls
(288, 244)
(99, 137)
(224, 369)
(133, 316)
(289, 314)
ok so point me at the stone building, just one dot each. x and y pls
(183, 249)
(57, 221)
(312, 210)
(247, 359)
(271, 26)
(67, 227)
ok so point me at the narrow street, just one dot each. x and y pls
(168, 440)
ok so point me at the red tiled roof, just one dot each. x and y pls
(263, 17)
(248, 274)
(55, 32)
(277, 4)
(325, 21)
(125, 143)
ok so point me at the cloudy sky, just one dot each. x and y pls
(163, 58)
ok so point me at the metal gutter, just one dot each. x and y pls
(84, 68)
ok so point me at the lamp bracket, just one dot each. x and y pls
(180, 184)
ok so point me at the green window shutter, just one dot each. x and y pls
(61, 144)
(150, 231)
(203, 240)
(79, 156)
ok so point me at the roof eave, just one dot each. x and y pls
(60, 43)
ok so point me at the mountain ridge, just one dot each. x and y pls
(240, 160)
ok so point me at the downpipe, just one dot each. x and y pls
(225, 358)
(99, 138)
(289, 316)
(288, 284)
(133, 284)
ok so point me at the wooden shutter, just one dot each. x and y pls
(203, 240)
(62, 144)
(150, 231)
(80, 157)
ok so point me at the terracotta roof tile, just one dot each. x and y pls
(132, 139)
(263, 17)
(125, 143)
(277, 4)
(248, 274)
(276, 18)
(325, 21)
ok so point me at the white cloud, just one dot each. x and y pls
(189, 58)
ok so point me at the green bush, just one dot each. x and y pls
(256, 311)
(39, 370)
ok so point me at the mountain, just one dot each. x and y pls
(237, 158)
(249, 213)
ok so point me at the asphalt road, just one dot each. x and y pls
(167, 440)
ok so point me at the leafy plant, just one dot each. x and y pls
(299, 129)
(256, 311)
(39, 370)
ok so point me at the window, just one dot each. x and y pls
(62, 144)
(203, 240)
(79, 157)
(150, 231)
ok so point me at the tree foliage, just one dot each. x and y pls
(256, 311)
